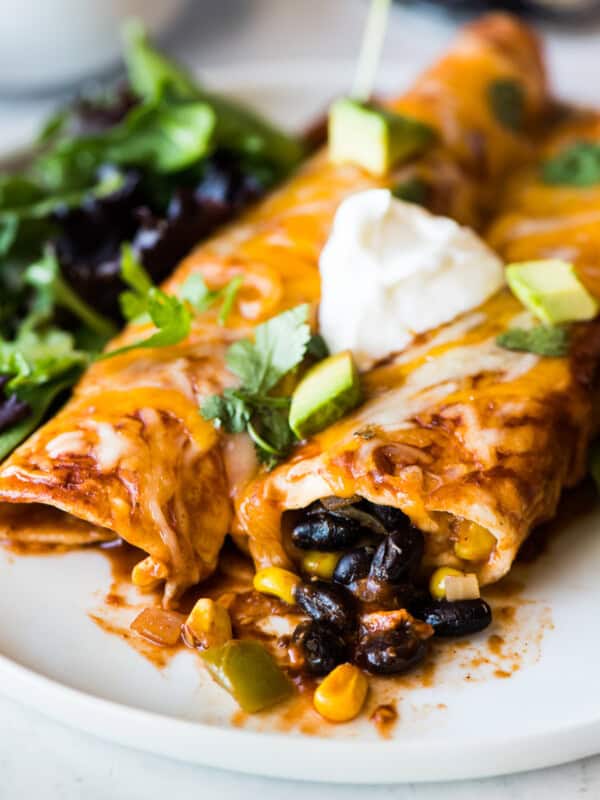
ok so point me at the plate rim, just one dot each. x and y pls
(214, 745)
(231, 748)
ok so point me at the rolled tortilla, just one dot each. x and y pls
(129, 455)
(457, 432)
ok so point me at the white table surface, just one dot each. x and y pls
(41, 759)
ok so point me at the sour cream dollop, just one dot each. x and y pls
(391, 270)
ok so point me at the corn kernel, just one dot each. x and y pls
(148, 573)
(437, 582)
(208, 625)
(278, 582)
(314, 562)
(341, 695)
(463, 587)
(474, 543)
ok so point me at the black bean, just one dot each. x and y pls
(323, 647)
(325, 531)
(354, 565)
(384, 595)
(398, 556)
(391, 518)
(390, 652)
(327, 603)
(458, 618)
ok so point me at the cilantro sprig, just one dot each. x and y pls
(172, 316)
(506, 98)
(576, 165)
(544, 340)
(279, 346)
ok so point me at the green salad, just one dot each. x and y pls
(120, 186)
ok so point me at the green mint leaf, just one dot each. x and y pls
(507, 102)
(575, 165)
(544, 340)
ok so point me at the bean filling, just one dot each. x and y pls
(376, 577)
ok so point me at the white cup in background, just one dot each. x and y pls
(47, 44)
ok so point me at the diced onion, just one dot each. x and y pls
(462, 587)
(159, 626)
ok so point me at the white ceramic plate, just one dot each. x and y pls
(523, 699)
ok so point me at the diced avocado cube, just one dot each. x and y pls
(246, 670)
(373, 138)
(326, 393)
(551, 290)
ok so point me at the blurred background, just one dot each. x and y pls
(51, 49)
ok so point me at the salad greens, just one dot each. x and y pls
(121, 187)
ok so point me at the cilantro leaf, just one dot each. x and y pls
(575, 165)
(317, 347)
(133, 272)
(544, 340)
(171, 315)
(172, 318)
(271, 434)
(133, 302)
(197, 293)
(229, 294)
(506, 98)
(413, 190)
(245, 361)
(279, 346)
(228, 411)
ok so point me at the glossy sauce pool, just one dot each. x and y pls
(512, 643)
